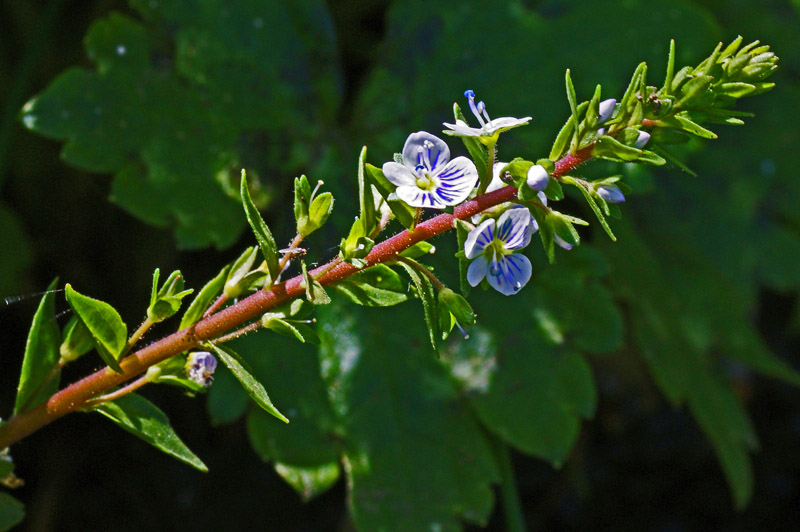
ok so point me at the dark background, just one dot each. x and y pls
(639, 465)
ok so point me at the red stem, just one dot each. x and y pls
(77, 394)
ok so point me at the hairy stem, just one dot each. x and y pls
(423, 270)
(116, 394)
(77, 394)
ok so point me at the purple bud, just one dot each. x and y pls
(538, 178)
(642, 139)
(606, 109)
(200, 366)
(611, 193)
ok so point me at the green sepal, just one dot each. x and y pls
(696, 92)
(426, 292)
(41, 355)
(377, 286)
(357, 245)
(402, 211)
(104, 323)
(562, 226)
(302, 197)
(670, 75)
(545, 232)
(477, 151)
(453, 308)
(651, 157)
(166, 301)
(462, 230)
(593, 204)
(684, 123)
(565, 134)
(300, 331)
(593, 111)
(204, 298)
(418, 250)
(262, 233)
(553, 191)
(314, 290)
(518, 169)
(318, 213)
(76, 340)
(574, 110)
(142, 418)
(241, 370)
(365, 198)
(608, 147)
(629, 98)
(241, 276)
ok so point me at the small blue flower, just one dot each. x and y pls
(606, 109)
(200, 366)
(493, 244)
(427, 177)
(490, 129)
(610, 193)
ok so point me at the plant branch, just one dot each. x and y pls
(76, 395)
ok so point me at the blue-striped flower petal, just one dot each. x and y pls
(514, 228)
(479, 238)
(509, 274)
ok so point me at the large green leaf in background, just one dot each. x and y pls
(177, 101)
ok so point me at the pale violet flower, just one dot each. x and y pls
(641, 140)
(537, 177)
(606, 109)
(427, 177)
(492, 245)
(200, 366)
(490, 129)
(610, 193)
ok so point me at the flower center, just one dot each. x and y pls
(425, 180)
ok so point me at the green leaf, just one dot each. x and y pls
(318, 213)
(12, 512)
(545, 233)
(108, 330)
(263, 235)
(402, 211)
(244, 374)
(610, 148)
(573, 109)
(142, 418)
(420, 249)
(377, 286)
(462, 230)
(166, 301)
(302, 197)
(204, 298)
(77, 340)
(302, 332)
(593, 204)
(314, 290)
(309, 482)
(41, 355)
(427, 295)
(172, 130)
(365, 199)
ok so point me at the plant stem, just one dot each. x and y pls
(237, 333)
(512, 509)
(116, 394)
(423, 270)
(146, 324)
(217, 304)
(77, 394)
(296, 241)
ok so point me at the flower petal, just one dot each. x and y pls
(462, 129)
(479, 238)
(416, 197)
(496, 183)
(456, 180)
(477, 270)
(514, 228)
(509, 274)
(503, 123)
(399, 174)
(422, 147)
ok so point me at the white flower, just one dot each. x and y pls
(492, 244)
(490, 129)
(200, 366)
(427, 177)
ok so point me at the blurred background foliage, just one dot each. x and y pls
(659, 339)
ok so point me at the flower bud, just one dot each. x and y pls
(641, 140)
(537, 177)
(610, 193)
(200, 366)
(606, 109)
